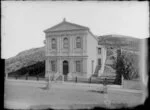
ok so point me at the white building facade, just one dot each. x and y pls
(71, 50)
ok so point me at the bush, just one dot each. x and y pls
(127, 64)
(131, 65)
(32, 70)
(119, 69)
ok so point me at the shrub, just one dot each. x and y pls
(32, 70)
(131, 65)
(127, 64)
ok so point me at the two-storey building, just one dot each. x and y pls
(70, 50)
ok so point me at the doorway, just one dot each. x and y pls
(65, 69)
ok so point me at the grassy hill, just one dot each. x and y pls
(24, 59)
(130, 50)
(120, 41)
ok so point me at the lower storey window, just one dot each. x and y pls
(78, 66)
(99, 61)
(53, 66)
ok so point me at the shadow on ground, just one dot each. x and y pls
(78, 107)
(97, 91)
(44, 88)
(66, 107)
(41, 107)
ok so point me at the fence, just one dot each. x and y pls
(92, 80)
(26, 77)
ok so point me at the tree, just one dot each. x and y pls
(119, 68)
(127, 64)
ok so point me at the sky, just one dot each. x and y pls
(23, 22)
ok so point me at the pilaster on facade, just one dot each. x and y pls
(85, 65)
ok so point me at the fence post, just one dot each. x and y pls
(90, 80)
(76, 79)
(122, 81)
(105, 86)
(16, 77)
(37, 77)
(27, 77)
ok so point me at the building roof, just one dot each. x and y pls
(64, 26)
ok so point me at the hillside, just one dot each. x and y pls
(129, 46)
(31, 57)
(24, 59)
(120, 41)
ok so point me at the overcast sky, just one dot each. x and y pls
(23, 22)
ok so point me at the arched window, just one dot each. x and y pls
(53, 43)
(78, 42)
(66, 43)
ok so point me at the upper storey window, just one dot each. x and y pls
(99, 50)
(78, 42)
(66, 43)
(53, 43)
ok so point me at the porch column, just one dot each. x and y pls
(71, 65)
(74, 66)
(61, 67)
(85, 65)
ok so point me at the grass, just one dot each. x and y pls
(133, 84)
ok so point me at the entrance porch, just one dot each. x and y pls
(67, 66)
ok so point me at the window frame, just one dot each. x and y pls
(53, 43)
(78, 43)
(78, 66)
(53, 66)
(66, 43)
(99, 50)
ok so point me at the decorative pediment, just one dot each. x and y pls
(64, 26)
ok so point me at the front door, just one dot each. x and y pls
(65, 69)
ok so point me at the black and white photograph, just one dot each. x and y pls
(74, 55)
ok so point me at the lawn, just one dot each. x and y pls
(133, 84)
(64, 95)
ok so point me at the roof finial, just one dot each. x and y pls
(64, 19)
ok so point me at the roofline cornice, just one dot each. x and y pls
(64, 21)
(65, 30)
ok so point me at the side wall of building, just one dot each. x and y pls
(91, 52)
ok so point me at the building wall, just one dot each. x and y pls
(92, 52)
(71, 54)
(72, 51)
